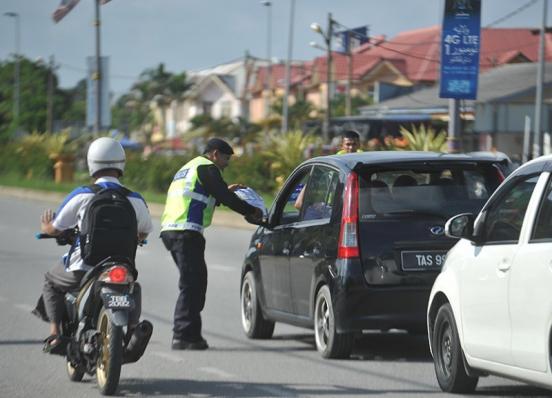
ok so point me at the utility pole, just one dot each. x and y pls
(328, 115)
(50, 106)
(268, 82)
(285, 110)
(98, 75)
(17, 77)
(454, 144)
(538, 137)
(348, 109)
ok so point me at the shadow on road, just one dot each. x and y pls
(20, 342)
(374, 346)
(161, 387)
(512, 391)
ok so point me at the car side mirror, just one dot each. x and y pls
(460, 226)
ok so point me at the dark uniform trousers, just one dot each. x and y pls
(188, 252)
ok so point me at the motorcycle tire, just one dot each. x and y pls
(110, 357)
(73, 373)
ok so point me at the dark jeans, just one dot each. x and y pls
(188, 252)
(57, 282)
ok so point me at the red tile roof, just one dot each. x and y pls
(415, 54)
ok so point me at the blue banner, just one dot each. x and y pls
(460, 43)
(348, 40)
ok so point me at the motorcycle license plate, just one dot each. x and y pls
(117, 300)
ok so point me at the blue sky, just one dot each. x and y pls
(195, 34)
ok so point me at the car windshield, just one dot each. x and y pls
(434, 191)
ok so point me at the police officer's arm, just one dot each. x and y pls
(212, 181)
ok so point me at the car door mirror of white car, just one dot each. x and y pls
(460, 226)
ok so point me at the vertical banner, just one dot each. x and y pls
(348, 40)
(105, 115)
(460, 41)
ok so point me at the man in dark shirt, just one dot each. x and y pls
(194, 192)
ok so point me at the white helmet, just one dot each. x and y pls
(105, 153)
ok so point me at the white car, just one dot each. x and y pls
(490, 309)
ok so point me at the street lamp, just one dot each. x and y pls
(327, 36)
(268, 82)
(16, 89)
(285, 108)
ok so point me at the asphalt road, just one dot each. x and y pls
(390, 365)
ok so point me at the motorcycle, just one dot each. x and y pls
(95, 329)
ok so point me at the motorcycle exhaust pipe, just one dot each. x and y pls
(138, 342)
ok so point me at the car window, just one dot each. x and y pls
(421, 189)
(290, 204)
(542, 231)
(504, 218)
(320, 194)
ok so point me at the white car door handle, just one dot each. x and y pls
(504, 266)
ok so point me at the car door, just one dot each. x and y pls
(485, 275)
(314, 238)
(530, 281)
(275, 244)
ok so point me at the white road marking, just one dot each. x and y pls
(218, 372)
(274, 391)
(24, 307)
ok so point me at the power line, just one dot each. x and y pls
(511, 14)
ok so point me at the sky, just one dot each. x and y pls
(188, 35)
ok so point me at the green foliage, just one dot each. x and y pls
(250, 170)
(154, 173)
(339, 105)
(206, 126)
(424, 138)
(284, 152)
(298, 113)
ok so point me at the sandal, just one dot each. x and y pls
(54, 344)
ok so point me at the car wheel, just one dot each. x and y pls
(328, 342)
(254, 324)
(448, 357)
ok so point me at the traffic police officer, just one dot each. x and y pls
(195, 190)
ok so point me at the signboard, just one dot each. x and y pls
(460, 43)
(91, 92)
(348, 40)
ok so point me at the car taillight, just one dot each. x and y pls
(499, 174)
(116, 274)
(348, 235)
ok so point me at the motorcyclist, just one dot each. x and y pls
(106, 164)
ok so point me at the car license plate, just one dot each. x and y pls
(422, 260)
(117, 300)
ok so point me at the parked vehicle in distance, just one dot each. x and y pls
(354, 242)
(490, 309)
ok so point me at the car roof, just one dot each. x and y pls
(542, 163)
(351, 160)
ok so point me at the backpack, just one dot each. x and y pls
(109, 227)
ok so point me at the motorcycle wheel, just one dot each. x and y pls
(110, 357)
(73, 373)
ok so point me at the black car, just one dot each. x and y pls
(354, 242)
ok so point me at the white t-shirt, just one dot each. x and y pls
(71, 212)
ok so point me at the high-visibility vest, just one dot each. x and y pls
(188, 205)
(343, 152)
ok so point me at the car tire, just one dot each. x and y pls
(254, 324)
(329, 342)
(448, 356)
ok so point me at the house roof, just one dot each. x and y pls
(501, 84)
(299, 73)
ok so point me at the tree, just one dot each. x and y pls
(155, 85)
(339, 105)
(298, 113)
